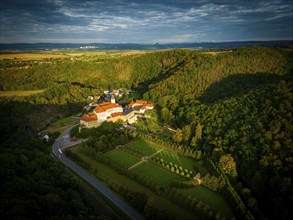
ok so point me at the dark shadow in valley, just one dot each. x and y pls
(235, 85)
(166, 73)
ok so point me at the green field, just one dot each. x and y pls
(143, 147)
(19, 93)
(168, 157)
(122, 158)
(105, 172)
(157, 174)
(216, 202)
(65, 121)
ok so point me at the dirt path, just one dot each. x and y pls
(135, 165)
(145, 159)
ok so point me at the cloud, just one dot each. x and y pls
(145, 21)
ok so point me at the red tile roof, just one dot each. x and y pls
(140, 102)
(131, 104)
(116, 114)
(89, 117)
(150, 105)
(137, 102)
(143, 107)
(105, 106)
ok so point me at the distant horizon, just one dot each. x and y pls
(190, 42)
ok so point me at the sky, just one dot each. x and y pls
(144, 21)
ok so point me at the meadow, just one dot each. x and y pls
(143, 147)
(160, 176)
(122, 158)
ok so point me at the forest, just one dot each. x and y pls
(234, 107)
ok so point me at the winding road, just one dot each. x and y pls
(62, 142)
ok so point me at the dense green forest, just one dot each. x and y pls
(33, 184)
(236, 103)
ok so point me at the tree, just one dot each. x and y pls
(228, 165)
(177, 136)
(186, 131)
(198, 132)
(166, 115)
(148, 207)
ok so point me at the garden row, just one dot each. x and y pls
(157, 179)
(215, 183)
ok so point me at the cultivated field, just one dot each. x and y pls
(64, 54)
(31, 56)
(19, 93)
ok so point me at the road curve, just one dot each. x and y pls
(63, 142)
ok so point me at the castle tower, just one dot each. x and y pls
(113, 99)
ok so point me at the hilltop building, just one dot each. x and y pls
(111, 111)
(143, 105)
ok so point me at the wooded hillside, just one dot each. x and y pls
(232, 106)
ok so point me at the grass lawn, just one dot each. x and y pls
(122, 158)
(64, 121)
(143, 147)
(157, 174)
(216, 202)
(107, 172)
(19, 93)
(168, 156)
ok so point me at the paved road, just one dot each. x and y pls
(62, 142)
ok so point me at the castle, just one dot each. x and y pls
(111, 111)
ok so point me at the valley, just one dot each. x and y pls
(217, 145)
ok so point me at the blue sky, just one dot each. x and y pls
(144, 21)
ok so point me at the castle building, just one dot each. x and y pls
(111, 111)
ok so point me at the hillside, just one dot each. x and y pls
(236, 103)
